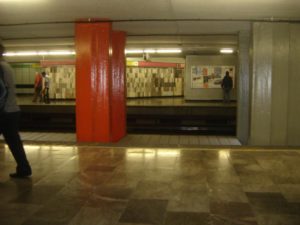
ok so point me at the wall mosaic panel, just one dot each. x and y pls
(140, 81)
(62, 82)
(153, 82)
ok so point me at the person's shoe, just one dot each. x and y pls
(20, 175)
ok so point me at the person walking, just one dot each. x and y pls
(38, 87)
(9, 121)
(226, 86)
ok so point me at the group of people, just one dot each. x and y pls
(41, 87)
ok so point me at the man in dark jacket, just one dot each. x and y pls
(9, 122)
(226, 86)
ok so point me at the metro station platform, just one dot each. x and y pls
(150, 179)
(143, 102)
(147, 115)
(136, 140)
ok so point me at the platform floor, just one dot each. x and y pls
(137, 140)
(148, 115)
(162, 101)
(91, 185)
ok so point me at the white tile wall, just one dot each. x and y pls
(141, 82)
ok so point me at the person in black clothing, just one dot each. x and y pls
(46, 85)
(226, 86)
(9, 122)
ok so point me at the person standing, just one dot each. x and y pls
(38, 87)
(46, 86)
(226, 86)
(9, 122)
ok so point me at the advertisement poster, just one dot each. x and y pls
(210, 76)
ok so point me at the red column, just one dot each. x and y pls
(93, 81)
(118, 97)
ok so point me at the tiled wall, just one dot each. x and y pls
(24, 74)
(62, 82)
(153, 82)
(141, 82)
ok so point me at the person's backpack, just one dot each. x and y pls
(3, 91)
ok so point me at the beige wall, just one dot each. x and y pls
(293, 126)
(275, 110)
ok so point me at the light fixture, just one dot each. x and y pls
(62, 53)
(151, 50)
(133, 51)
(168, 51)
(226, 50)
(71, 52)
(39, 53)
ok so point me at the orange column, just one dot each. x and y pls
(93, 81)
(118, 86)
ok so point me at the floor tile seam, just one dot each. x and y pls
(185, 147)
(200, 147)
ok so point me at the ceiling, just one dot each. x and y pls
(194, 25)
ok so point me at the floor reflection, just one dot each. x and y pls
(142, 186)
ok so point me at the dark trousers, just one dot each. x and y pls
(9, 127)
(37, 94)
(226, 95)
(46, 95)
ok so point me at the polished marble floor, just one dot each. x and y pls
(92, 185)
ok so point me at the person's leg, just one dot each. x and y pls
(41, 94)
(224, 95)
(11, 135)
(228, 96)
(47, 95)
(35, 95)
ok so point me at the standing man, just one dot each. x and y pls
(226, 86)
(9, 122)
(46, 86)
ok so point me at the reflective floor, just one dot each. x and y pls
(90, 185)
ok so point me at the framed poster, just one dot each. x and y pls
(210, 76)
